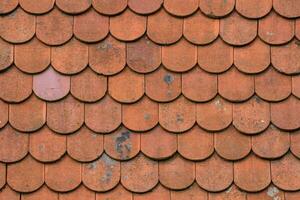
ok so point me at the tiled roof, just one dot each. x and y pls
(150, 99)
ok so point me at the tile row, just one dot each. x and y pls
(56, 27)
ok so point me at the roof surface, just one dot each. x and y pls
(150, 99)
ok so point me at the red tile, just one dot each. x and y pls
(8, 193)
(3, 114)
(122, 144)
(8, 6)
(231, 144)
(214, 115)
(253, 58)
(163, 28)
(17, 27)
(296, 86)
(177, 116)
(102, 174)
(64, 175)
(81, 193)
(2, 175)
(158, 143)
(179, 57)
(274, 29)
(181, 7)
(272, 143)
(294, 145)
(103, 116)
(25, 176)
(159, 193)
(176, 173)
(91, 26)
(163, 85)
(54, 28)
(144, 6)
(200, 29)
(15, 85)
(216, 57)
(272, 192)
(7, 54)
(289, 8)
(109, 7)
(216, 8)
(272, 85)
(73, 6)
(196, 144)
(235, 86)
(297, 29)
(107, 57)
(232, 193)
(285, 114)
(143, 55)
(127, 86)
(70, 58)
(9, 152)
(280, 53)
(37, 6)
(115, 194)
(286, 173)
(85, 145)
(292, 195)
(253, 9)
(65, 116)
(192, 193)
(43, 193)
(214, 174)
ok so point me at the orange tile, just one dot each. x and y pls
(272, 192)
(37, 6)
(296, 85)
(65, 116)
(232, 193)
(81, 193)
(91, 26)
(144, 6)
(192, 193)
(115, 194)
(85, 145)
(253, 9)
(216, 8)
(294, 145)
(297, 29)
(109, 7)
(102, 174)
(54, 28)
(25, 176)
(289, 8)
(43, 193)
(181, 7)
(163, 28)
(8, 6)
(2, 175)
(8, 193)
(73, 6)
(7, 54)
(159, 193)
(3, 114)
(292, 195)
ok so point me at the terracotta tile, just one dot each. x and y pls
(272, 192)
(17, 27)
(252, 116)
(280, 53)
(192, 193)
(272, 143)
(253, 58)
(7, 54)
(37, 6)
(50, 85)
(65, 116)
(9, 152)
(232, 193)
(272, 85)
(47, 146)
(109, 7)
(235, 86)
(43, 193)
(54, 28)
(91, 26)
(200, 29)
(8, 6)
(15, 85)
(144, 6)
(70, 58)
(216, 8)
(216, 57)
(296, 86)
(64, 175)
(179, 57)
(292, 195)
(163, 28)
(2, 175)
(141, 116)
(3, 113)
(28, 116)
(126, 87)
(103, 116)
(85, 145)
(102, 174)
(181, 7)
(139, 174)
(196, 144)
(159, 193)
(81, 193)
(176, 173)
(73, 6)
(169, 84)
(231, 144)
(122, 144)
(285, 114)
(8, 193)
(297, 29)
(289, 8)
(143, 55)
(158, 143)
(274, 29)
(253, 9)
(107, 57)
(286, 173)
(25, 176)
(115, 194)
(214, 174)
(294, 145)
(177, 116)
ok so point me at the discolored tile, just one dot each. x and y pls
(80, 193)
(37, 6)
(181, 7)
(270, 193)
(8, 6)
(216, 8)
(289, 8)
(73, 6)
(115, 194)
(144, 6)
(43, 193)
(253, 9)
(109, 7)
(7, 54)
